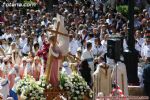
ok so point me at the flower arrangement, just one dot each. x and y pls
(29, 89)
(79, 88)
(65, 83)
(43, 83)
(74, 85)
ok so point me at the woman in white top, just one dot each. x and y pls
(12, 47)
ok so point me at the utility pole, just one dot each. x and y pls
(131, 55)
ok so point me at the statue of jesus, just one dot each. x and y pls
(55, 62)
(59, 43)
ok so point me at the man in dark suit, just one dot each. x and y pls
(146, 77)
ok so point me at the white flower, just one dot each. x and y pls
(23, 97)
(67, 87)
(82, 93)
(75, 98)
(77, 92)
(65, 84)
(91, 95)
(81, 87)
(72, 90)
(43, 85)
(49, 86)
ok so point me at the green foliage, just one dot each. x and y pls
(123, 9)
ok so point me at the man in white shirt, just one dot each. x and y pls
(26, 48)
(22, 41)
(98, 48)
(139, 41)
(109, 20)
(88, 55)
(145, 50)
(73, 46)
(91, 39)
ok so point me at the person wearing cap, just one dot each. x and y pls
(66, 69)
(88, 55)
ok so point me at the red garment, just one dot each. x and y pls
(54, 68)
(44, 52)
(1, 73)
(54, 72)
(2, 20)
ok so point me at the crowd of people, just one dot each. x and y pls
(24, 38)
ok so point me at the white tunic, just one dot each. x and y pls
(119, 75)
(102, 80)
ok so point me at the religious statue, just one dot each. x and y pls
(102, 79)
(59, 43)
(55, 62)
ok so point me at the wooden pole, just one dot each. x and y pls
(50, 57)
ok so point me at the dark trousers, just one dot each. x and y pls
(147, 90)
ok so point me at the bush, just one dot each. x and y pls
(123, 9)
